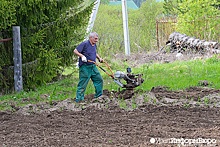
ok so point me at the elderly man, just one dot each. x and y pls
(88, 70)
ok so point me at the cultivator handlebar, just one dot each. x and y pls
(109, 74)
(132, 80)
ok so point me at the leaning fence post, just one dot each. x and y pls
(18, 82)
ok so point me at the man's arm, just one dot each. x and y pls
(78, 53)
(99, 58)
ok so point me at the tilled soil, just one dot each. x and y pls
(111, 127)
(149, 124)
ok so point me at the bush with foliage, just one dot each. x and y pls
(200, 18)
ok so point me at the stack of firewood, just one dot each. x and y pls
(183, 43)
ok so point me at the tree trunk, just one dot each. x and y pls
(183, 43)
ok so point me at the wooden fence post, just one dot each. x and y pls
(18, 81)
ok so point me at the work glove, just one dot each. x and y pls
(84, 59)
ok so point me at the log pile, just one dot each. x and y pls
(182, 43)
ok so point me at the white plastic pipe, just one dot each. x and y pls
(92, 18)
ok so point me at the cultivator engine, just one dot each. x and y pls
(132, 80)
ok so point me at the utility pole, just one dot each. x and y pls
(125, 26)
(18, 81)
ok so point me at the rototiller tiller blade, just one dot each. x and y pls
(132, 80)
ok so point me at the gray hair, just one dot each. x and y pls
(93, 34)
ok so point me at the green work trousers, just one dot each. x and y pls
(87, 72)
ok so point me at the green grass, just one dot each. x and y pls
(122, 104)
(180, 75)
(177, 75)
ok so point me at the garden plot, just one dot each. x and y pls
(159, 117)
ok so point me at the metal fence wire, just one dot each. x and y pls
(6, 58)
(14, 75)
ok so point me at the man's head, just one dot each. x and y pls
(93, 38)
